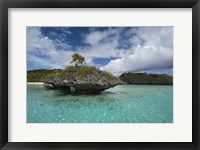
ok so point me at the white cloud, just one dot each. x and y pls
(35, 41)
(95, 37)
(152, 49)
(141, 59)
(103, 44)
(152, 36)
(42, 52)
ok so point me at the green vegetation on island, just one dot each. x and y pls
(144, 78)
(80, 72)
(40, 74)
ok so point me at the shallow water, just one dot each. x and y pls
(121, 104)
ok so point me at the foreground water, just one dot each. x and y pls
(121, 104)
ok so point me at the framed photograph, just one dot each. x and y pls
(99, 74)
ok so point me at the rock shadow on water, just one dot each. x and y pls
(108, 92)
(61, 92)
(66, 93)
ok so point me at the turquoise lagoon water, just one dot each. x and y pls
(121, 104)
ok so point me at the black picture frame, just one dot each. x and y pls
(6, 4)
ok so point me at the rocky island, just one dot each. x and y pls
(76, 79)
(81, 79)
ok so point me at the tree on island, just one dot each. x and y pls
(78, 59)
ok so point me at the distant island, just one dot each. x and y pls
(144, 78)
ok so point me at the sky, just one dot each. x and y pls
(113, 49)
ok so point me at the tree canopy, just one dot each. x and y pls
(78, 59)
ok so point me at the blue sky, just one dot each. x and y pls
(113, 49)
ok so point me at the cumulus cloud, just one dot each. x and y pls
(103, 44)
(152, 49)
(95, 38)
(143, 58)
